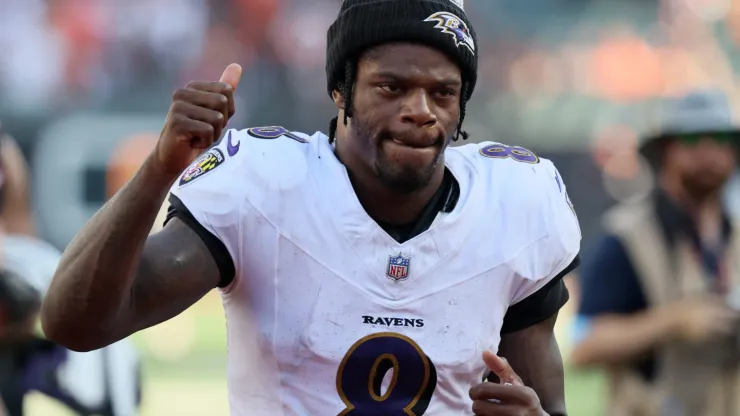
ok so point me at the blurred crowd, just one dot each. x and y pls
(574, 80)
(592, 59)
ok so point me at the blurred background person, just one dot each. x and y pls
(106, 382)
(16, 214)
(656, 306)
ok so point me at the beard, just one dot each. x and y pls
(703, 185)
(404, 178)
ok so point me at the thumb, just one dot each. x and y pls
(232, 75)
(501, 368)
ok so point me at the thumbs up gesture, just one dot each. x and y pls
(510, 397)
(197, 116)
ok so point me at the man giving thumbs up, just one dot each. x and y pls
(112, 281)
(362, 271)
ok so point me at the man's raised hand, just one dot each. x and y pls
(198, 114)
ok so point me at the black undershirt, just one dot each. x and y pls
(444, 200)
(536, 308)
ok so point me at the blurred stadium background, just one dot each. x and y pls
(85, 84)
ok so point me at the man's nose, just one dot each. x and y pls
(417, 110)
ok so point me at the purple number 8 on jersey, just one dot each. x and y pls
(502, 151)
(363, 368)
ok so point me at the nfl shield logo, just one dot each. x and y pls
(398, 267)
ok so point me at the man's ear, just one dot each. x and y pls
(338, 99)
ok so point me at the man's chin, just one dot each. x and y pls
(406, 179)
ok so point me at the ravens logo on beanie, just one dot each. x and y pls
(362, 24)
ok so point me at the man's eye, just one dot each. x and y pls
(389, 87)
(446, 93)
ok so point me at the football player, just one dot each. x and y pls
(106, 381)
(372, 270)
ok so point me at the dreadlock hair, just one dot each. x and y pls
(464, 94)
(346, 88)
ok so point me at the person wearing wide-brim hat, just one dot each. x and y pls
(687, 120)
(657, 308)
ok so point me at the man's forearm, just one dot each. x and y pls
(607, 344)
(534, 354)
(93, 281)
(550, 385)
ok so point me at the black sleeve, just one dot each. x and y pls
(215, 246)
(541, 304)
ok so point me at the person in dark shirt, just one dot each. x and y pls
(613, 301)
(618, 322)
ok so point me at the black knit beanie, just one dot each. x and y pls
(362, 24)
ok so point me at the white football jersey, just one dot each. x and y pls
(329, 315)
